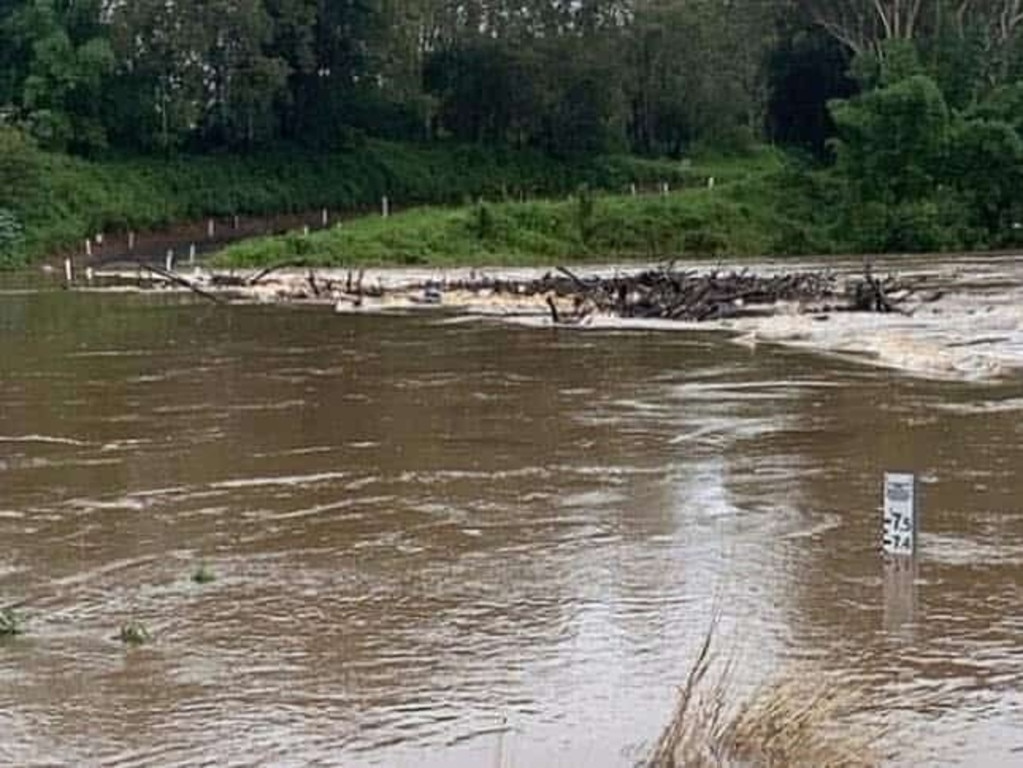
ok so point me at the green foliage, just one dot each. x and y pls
(59, 200)
(10, 623)
(986, 168)
(483, 222)
(919, 176)
(134, 633)
(203, 574)
(892, 140)
(740, 218)
(67, 61)
(10, 239)
(262, 106)
(895, 61)
(585, 205)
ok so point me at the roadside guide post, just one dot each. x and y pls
(899, 520)
(899, 529)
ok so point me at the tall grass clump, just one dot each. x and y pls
(800, 720)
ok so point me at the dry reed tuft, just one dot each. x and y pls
(800, 721)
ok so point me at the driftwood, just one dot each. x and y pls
(183, 282)
(266, 272)
(666, 293)
(686, 295)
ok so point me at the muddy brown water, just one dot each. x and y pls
(451, 543)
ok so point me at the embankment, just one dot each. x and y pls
(51, 202)
(747, 216)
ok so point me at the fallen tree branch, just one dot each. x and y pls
(184, 283)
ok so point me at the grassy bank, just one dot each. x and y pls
(49, 201)
(753, 209)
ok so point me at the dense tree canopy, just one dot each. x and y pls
(567, 76)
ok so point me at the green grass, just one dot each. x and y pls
(753, 210)
(49, 202)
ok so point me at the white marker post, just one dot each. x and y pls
(131, 241)
(211, 229)
(324, 218)
(170, 260)
(632, 190)
(68, 271)
(385, 207)
(191, 254)
(710, 183)
(88, 247)
(899, 520)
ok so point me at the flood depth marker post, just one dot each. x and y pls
(900, 519)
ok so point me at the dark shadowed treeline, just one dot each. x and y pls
(906, 114)
(563, 76)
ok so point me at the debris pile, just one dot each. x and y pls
(663, 293)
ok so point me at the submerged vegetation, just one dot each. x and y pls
(134, 633)
(203, 574)
(11, 623)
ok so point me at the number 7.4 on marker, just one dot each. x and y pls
(899, 523)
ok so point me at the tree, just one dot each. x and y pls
(61, 60)
(697, 68)
(891, 141)
(866, 26)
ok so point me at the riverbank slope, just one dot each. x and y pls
(52, 202)
(749, 209)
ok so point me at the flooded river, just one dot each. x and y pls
(457, 543)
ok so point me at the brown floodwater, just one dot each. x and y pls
(442, 542)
